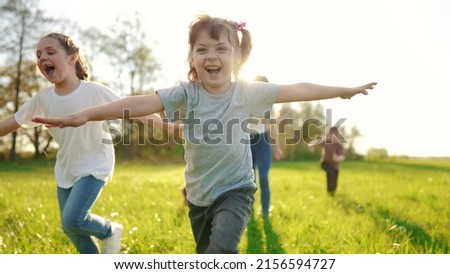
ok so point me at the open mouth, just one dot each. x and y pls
(213, 70)
(49, 69)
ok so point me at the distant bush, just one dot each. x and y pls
(377, 154)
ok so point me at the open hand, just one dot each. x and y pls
(66, 121)
(362, 89)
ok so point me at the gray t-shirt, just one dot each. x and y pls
(217, 150)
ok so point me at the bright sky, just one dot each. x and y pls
(404, 45)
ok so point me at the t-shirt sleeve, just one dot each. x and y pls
(106, 94)
(261, 97)
(174, 101)
(30, 109)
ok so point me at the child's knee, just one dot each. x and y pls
(70, 223)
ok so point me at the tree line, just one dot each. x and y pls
(124, 47)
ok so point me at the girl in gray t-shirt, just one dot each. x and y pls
(215, 108)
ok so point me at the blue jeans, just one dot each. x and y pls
(218, 228)
(80, 225)
(262, 159)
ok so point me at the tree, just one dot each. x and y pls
(313, 121)
(30, 84)
(95, 47)
(20, 21)
(125, 45)
(289, 129)
(299, 126)
(350, 152)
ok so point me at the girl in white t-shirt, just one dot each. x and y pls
(85, 158)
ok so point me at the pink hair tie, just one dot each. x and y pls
(239, 26)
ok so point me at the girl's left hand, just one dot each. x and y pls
(362, 89)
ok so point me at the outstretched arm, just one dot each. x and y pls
(128, 107)
(309, 92)
(8, 125)
(155, 120)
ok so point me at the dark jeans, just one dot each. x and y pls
(218, 228)
(332, 177)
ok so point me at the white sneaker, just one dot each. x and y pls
(111, 245)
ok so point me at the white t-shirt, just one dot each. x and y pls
(217, 141)
(85, 150)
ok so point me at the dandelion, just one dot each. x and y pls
(392, 227)
(132, 230)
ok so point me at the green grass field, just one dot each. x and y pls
(380, 207)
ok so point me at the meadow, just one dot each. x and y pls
(388, 207)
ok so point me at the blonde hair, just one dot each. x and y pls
(82, 68)
(216, 26)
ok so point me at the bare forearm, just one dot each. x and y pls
(128, 107)
(8, 125)
(308, 92)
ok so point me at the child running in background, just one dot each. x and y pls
(85, 158)
(331, 155)
(264, 143)
(215, 107)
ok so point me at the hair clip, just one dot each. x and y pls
(239, 26)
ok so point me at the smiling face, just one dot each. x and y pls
(53, 61)
(213, 61)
